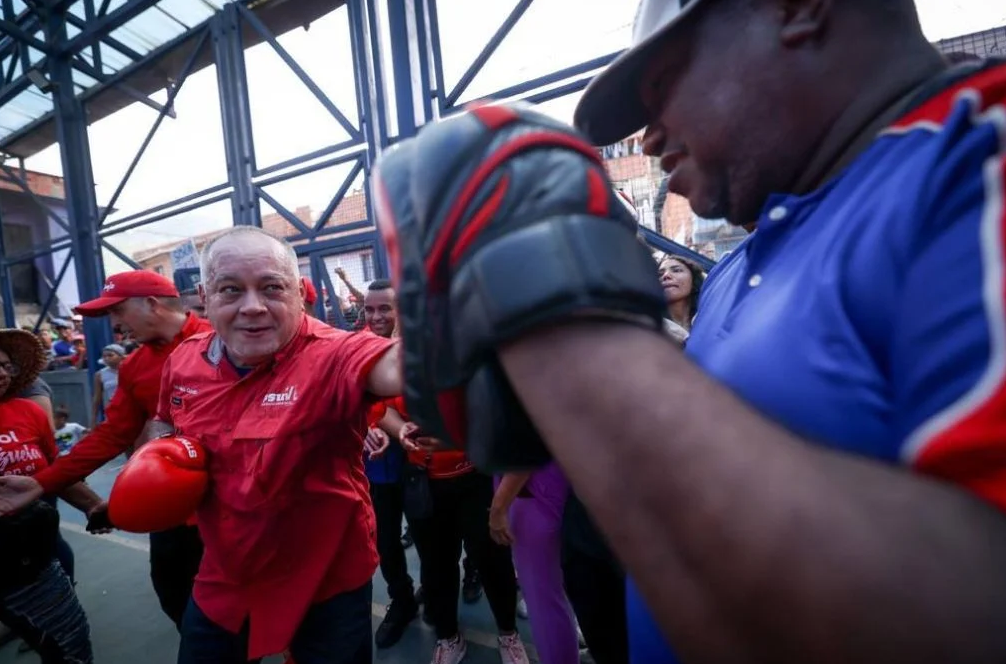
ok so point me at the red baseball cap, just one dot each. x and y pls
(120, 287)
(310, 294)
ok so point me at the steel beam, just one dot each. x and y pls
(401, 63)
(490, 48)
(106, 25)
(235, 112)
(78, 180)
(667, 246)
(6, 287)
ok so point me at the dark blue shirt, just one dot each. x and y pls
(868, 316)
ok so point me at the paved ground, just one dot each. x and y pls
(127, 626)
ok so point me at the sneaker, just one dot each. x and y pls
(521, 607)
(512, 649)
(398, 617)
(471, 588)
(451, 651)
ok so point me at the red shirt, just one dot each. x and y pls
(132, 406)
(27, 443)
(287, 520)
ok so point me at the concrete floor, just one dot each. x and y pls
(127, 626)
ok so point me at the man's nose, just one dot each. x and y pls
(653, 140)
(252, 303)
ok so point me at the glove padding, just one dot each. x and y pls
(160, 486)
(497, 222)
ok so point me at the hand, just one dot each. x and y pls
(499, 526)
(98, 522)
(376, 443)
(339, 272)
(413, 440)
(17, 492)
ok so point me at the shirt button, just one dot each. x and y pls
(777, 213)
(754, 281)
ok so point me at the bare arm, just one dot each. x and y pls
(510, 486)
(747, 542)
(357, 293)
(392, 423)
(385, 378)
(81, 496)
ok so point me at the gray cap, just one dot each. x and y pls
(611, 107)
(114, 348)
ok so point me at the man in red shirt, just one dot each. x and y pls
(147, 306)
(279, 401)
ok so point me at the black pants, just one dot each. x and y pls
(174, 560)
(461, 512)
(595, 586)
(389, 510)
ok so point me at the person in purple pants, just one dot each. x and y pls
(526, 514)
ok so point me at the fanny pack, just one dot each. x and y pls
(27, 543)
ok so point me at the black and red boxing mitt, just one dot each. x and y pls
(499, 221)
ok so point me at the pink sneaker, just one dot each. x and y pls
(512, 649)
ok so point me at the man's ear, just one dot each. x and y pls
(803, 20)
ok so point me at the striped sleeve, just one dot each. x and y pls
(949, 353)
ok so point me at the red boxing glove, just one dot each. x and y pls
(160, 487)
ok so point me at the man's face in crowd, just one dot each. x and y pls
(136, 317)
(253, 297)
(380, 312)
(714, 96)
(194, 304)
(111, 358)
(65, 333)
(60, 420)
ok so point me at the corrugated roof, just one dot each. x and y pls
(145, 54)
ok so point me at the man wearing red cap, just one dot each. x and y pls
(147, 306)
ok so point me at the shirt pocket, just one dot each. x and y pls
(245, 468)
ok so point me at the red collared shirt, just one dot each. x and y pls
(287, 521)
(132, 406)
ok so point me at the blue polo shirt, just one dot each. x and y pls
(868, 316)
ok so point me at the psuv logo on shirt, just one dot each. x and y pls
(8, 438)
(287, 397)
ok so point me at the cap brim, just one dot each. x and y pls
(97, 307)
(611, 107)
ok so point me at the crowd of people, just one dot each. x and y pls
(796, 457)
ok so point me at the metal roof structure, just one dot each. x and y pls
(65, 64)
(121, 51)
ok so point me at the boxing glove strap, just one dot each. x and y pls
(556, 269)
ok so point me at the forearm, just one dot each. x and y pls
(392, 423)
(108, 440)
(820, 545)
(81, 496)
(510, 486)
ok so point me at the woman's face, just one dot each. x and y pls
(7, 372)
(676, 279)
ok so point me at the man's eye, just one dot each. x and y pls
(227, 290)
(274, 288)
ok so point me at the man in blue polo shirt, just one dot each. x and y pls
(823, 478)
(834, 318)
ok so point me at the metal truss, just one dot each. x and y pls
(416, 60)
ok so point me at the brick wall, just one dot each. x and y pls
(41, 184)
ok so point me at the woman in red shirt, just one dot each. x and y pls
(37, 600)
